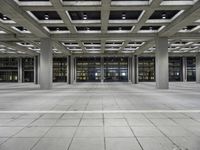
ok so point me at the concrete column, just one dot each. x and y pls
(38, 73)
(134, 69)
(46, 64)
(75, 70)
(102, 69)
(70, 70)
(162, 71)
(184, 69)
(20, 71)
(129, 69)
(36, 69)
(198, 68)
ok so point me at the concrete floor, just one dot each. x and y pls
(108, 116)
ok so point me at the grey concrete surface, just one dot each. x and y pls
(100, 131)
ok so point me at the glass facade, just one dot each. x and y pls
(28, 69)
(191, 69)
(8, 69)
(116, 69)
(60, 69)
(88, 69)
(146, 68)
(175, 69)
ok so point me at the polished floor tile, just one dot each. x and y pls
(87, 144)
(52, 144)
(122, 143)
(73, 117)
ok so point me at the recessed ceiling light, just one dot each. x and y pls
(24, 29)
(123, 16)
(164, 16)
(84, 16)
(46, 17)
(185, 28)
(5, 17)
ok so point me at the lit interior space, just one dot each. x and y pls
(99, 74)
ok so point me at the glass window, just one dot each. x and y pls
(191, 69)
(59, 69)
(88, 69)
(146, 66)
(28, 69)
(175, 69)
(8, 70)
(115, 69)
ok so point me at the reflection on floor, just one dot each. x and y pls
(100, 131)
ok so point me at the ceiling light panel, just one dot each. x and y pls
(46, 15)
(57, 29)
(129, 15)
(81, 2)
(84, 15)
(88, 28)
(4, 17)
(21, 29)
(164, 14)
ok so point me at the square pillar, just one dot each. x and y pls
(198, 68)
(46, 64)
(20, 71)
(36, 69)
(129, 69)
(184, 69)
(162, 71)
(70, 70)
(75, 70)
(134, 69)
(102, 69)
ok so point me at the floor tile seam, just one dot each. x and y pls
(12, 136)
(74, 134)
(50, 127)
(104, 134)
(134, 135)
(185, 128)
(168, 137)
(156, 111)
(40, 138)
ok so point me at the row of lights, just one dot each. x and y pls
(46, 16)
(164, 16)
